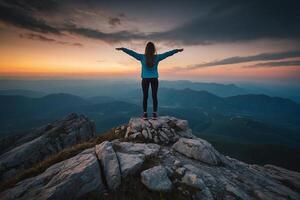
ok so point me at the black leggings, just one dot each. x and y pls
(154, 86)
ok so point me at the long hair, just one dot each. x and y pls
(150, 52)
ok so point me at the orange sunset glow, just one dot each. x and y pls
(90, 52)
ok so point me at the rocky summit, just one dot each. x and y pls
(156, 159)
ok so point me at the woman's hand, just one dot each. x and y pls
(179, 50)
(119, 49)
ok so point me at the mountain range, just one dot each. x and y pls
(249, 121)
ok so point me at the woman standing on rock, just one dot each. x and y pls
(149, 74)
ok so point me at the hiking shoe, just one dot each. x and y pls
(145, 116)
(154, 115)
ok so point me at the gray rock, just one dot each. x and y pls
(70, 179)
(198, 149)
(145, 134)
(137, 148)
(182, 124)
(130, 163)
(156, 179)
(180, 171)
(156, 140)
(204, 194)
(162, 139)
(192, 180)
(177, 163)
(164, 135)
(127, 132)
(149, 134)
(136, 124)
(237, 191)
(186, 133)
(169, 171)
(134, 135)
(285, 176)
(160, 130)
(168, 132)
(109, 163)
(60, 134)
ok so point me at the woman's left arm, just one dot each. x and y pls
(167, 54)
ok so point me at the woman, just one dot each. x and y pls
(149, 74)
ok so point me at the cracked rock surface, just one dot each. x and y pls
(180, 164)
(52, 138)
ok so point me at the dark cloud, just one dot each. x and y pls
(20, 18)
(122, 15)
(114, 21)
(35, 5)
(234, 21)
(240, 59)
(114, 37)
(37, 37)
(292, 63)
(210, 21)
(42, 38)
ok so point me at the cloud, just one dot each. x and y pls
(236, 21)
(207, 22)
(23, 14)
(293, 63)
(114, 21)
(34, 5)
(42, 38)
(110, 38)
(244, 59)
(20, 18)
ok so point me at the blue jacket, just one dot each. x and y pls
(149, 72)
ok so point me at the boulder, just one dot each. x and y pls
(145, 133)
(164, 130)
(58, 135)
(137, 148)
(73, 178)
(182, 124)
(109, 163)
(156, 179)
(198, 149)
(193, 180)
(130, 163)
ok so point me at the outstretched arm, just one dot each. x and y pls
(131, 53)
(167, 54)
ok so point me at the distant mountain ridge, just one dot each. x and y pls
(19, 109)
(117, 88)
(253, 105)
(21, 92)
(223, 90)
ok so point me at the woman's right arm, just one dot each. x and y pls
(131, 53)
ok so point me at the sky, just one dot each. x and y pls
(223, 41)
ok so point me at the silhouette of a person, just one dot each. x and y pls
(149, 73)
